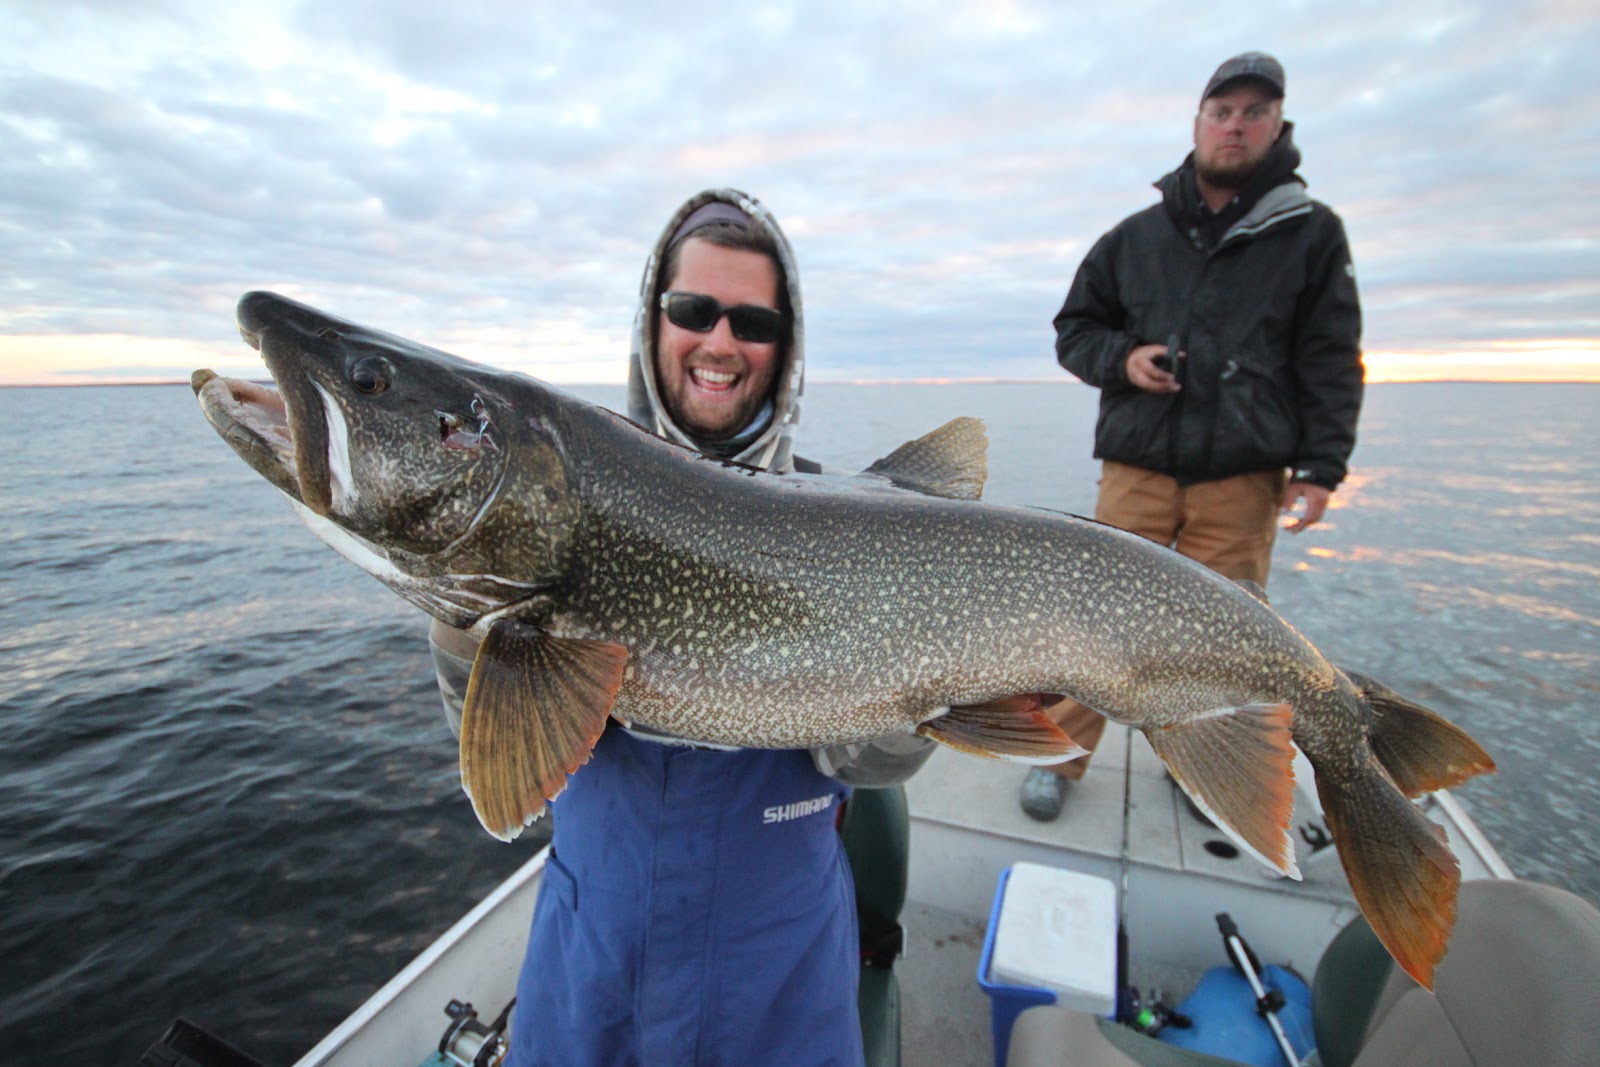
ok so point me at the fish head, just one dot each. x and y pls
(397, 454)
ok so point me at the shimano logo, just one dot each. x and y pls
(798, 810)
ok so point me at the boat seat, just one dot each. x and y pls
(876, 829)
(1520, 984)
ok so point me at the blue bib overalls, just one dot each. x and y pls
(696, 909)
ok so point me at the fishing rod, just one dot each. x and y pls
(1130, 1009)
(1268, 1002)
(1125, 995)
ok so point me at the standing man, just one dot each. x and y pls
(1223, 331)
(697, 906)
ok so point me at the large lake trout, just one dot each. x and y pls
(608, 573)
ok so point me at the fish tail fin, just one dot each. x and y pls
(535, 707)
(1421, 750)
(1401, 870)
(1012, 728)
(1237, 765)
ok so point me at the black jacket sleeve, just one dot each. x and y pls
(1090, 339)
(1328, 373)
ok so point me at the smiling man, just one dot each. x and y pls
(697, 905)
(1223, 331)
(720, 334)
(718, 356)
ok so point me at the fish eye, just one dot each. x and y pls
(371, 375)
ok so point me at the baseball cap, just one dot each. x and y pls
(1246, 65)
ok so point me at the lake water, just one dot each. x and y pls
(226, 785)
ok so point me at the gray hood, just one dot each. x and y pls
(772, 447)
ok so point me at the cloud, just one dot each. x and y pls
(495, 173)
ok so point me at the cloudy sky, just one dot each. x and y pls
(487, 176)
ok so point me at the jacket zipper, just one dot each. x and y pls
(1176, 432)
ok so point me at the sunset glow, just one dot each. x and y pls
(1506, 361)
(564, 358)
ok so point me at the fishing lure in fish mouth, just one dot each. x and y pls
(606, 573)
(452, 435)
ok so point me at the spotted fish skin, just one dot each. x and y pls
(767, 610)
(608, 573)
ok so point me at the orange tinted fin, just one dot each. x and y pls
(1402, 872)
(1237, 766)
(1013, 728)
(535, 708)
(1421, 750)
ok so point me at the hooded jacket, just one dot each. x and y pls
(697, 905)
(768, 444)
(1261, 298)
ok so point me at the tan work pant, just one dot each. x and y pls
(1229, 525)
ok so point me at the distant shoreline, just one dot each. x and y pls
(842, 381)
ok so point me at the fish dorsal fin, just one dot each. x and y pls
(535, 707)
(1012, 728)
(1253, 588)
(952, 461)
(1237, 764)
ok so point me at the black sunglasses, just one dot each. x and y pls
(701, 313)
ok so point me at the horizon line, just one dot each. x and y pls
(975, 380)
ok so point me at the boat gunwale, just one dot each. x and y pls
(355, 1024)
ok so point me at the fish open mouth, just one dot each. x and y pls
(285, 442)
(253, 408)
(253, 419)
(280, 429)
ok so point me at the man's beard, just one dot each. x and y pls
(1232, 176)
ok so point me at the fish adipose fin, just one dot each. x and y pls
(1402, 872)
(1238, 767)
(1012, 728)
(535, 707)
(952, 461)
(1421, 750)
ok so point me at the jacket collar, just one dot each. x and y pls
(1248, 213)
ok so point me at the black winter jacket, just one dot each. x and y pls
(1261, 297)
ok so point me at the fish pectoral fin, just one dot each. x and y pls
(952, 461)
(535, 707)
(1238, 766)
(1012, 728)
(1421, 750)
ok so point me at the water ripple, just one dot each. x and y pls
(227, 785)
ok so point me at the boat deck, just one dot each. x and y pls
(944, 1015)
(957, 796)
(967, 826)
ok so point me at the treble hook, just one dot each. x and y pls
(455, 437)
